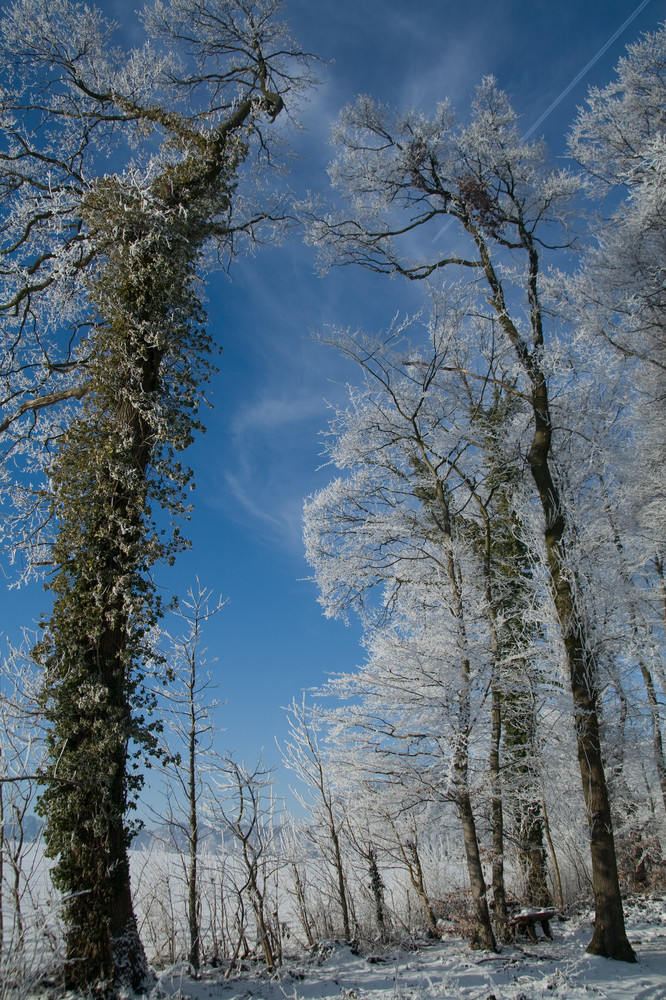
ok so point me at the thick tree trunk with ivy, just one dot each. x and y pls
(523, 778)
(115, 464)
(104, 602)
(106, 267)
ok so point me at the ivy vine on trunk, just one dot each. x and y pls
(103, 377)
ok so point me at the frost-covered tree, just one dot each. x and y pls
(245, 810)
(416, 723)
(119, 171)
(620, 139)
(303, 755)
(21, 756)
(416, 518)
(430, 195)
(189, 731)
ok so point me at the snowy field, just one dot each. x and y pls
(448, 971)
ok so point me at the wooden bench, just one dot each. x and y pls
(524, 922)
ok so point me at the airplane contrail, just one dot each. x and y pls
(579, 76)
(588, 66)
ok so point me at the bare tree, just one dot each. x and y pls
(241, 810)
(187, 707)
(303, 755)
(25, 924)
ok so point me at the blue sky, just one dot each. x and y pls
(260, 456)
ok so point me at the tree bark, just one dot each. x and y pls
(657, 743)
(377, 889)
(497, 813)
(339, 875)
(609, 938)
(143, 284)
(483, 937)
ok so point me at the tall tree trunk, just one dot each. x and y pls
(609, 938)
(497, 813)
(339, 874)
(483, 936)
(94, 644)
(657, 744)
(86, 827)
(115, 464)
(130, 967)
(553, 855)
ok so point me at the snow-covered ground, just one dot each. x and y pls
(550, 970)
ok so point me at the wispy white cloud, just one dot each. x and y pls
(272, 414)
(243, 493)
